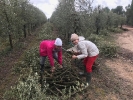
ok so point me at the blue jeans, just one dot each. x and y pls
(43, 58)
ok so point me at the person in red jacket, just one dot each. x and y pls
(53, 50)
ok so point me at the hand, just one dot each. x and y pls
(70, 52)
(77, 53)
(52, 69)
(74, 57)
(61, 66)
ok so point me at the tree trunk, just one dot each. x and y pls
(97, 30)
(24, 31)
(10, 40)
(9, 28)
(29, 29)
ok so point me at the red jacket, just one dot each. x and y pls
(47, 48)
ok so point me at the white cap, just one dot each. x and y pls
(58, 42)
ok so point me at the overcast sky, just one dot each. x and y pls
(48, 6)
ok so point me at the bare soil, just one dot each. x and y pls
(122, 66)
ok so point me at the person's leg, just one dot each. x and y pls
(55, 56)
(83, 73)
(84, 62)
(84, 67)
(42, 61)
(89, 63)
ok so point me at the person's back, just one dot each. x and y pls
(45, 46)
(90, 46)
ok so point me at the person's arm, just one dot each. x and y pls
(60, 57)
(50, 56)
(83, 51)
(76, 53)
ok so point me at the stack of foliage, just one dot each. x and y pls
(65, 81)
(61, 84)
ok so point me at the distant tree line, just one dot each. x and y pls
(18, 18)
(129, 14)
(78, 16)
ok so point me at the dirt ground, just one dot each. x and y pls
(122, 66)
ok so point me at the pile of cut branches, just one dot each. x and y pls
(64, 81)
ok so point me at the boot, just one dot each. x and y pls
(41, 73)
(88, 78)
(94, 67)
(83, 73)
(42, 68)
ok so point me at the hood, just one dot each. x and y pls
(81, 38)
